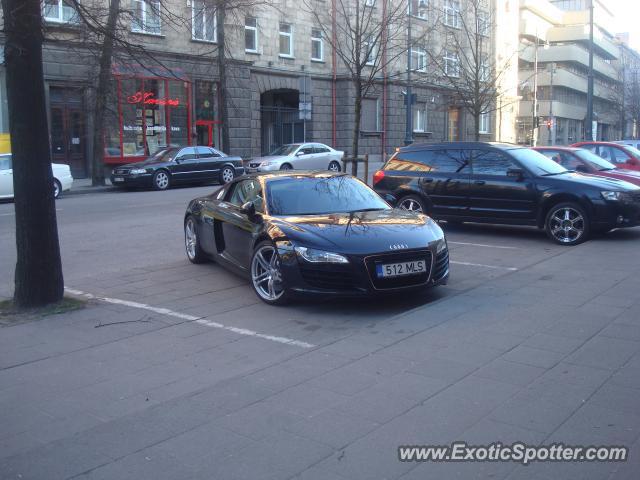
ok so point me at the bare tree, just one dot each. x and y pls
(368, 38)
(465, 62)
(38, 275)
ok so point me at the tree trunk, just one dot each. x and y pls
(356, 127)
(101, 95)
(38, 276)
(476, 126)
(222, 74)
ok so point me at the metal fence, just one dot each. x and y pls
(280, 126)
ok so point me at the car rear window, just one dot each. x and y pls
(435, 161)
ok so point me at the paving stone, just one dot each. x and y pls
(555, 343)
(509, 372)
(533, 356)
(621, 399)
(604, 352)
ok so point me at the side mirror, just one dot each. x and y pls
(582, 169)
(300, 153)
(390, 199)
(178, 160)
(248, 209)
(516, 173)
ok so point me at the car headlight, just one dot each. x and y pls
(267, 164)
(613, 196)
(138, 171)
(320, 256)
(441, 246)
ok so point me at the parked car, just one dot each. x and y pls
(583, 161)
(298, 156)
(318, 233)
(179, 165)
(497, 183)
(62, 179)
(623, 156)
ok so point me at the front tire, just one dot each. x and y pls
(161, 180)
(286, 166)
(334, 167)
(195, 254)
(567, 224)
(412, 203)
(266, 274)
(227, 174)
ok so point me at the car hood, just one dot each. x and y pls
(596, 181)
(630, 176)
(144, 164)
(361, 233)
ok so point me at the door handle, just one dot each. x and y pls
(427, 180)
(479, 182)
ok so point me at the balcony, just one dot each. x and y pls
(568, 79)
(562, 110)
(569, 53)
(580, 33)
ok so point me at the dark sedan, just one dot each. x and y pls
(584, 161)
(314, 233)
(498, 183)
(179, 165)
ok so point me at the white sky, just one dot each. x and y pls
(627, 18)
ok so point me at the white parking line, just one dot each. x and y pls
(190, 318)
(13, 213)
(482, 245)
(496, 267)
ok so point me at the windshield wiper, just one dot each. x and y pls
(606, 169)
(558, 173)
(366, 210)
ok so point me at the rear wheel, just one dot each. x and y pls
(195, 254)
(266, 274)
(57, 188)
(286, 166)
(334, 166)
(567, 224)
(161, 180)
(412, 203)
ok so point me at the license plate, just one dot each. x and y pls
(415, 267)
(118, 179)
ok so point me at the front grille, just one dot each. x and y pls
(441, 265)
(254, 165)
(396, 257)
(121, 171)
(328, 278)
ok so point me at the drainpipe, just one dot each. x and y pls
(384, 81)
(334, 67)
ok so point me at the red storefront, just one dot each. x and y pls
(154, 109)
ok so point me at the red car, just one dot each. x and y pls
(584, 161)
(623, 156)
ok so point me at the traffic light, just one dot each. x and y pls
(549, 123)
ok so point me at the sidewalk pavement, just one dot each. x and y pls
(83, 186)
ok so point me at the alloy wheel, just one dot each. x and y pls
(227, 175)
(162, 180)
(567, 225)
(56, 189)
(411, 205)
(266, 275)
(334, 167)
(190, 239)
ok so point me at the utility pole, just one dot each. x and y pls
(408, 138)
(534, 123)
(551, 125)
(589, 121)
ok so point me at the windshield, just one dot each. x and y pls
(166, 155)
(537, 163)
(594, 160)
(321, 195)
(632, 150)
(285, 150)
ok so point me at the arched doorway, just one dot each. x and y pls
(281, 123)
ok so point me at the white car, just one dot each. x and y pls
(298, 156)
(62, 179)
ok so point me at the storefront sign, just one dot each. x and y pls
(146, 98)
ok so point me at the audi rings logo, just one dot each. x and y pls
(398, 246)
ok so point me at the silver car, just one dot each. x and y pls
(298, 156)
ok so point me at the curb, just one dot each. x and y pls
(89, 190)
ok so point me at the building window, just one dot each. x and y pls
(59, 11)
(418, 59)
(452, 13)
(369, 49)
(286, 40)
(483, 24)
(203, 21)
(146, 17)
(251, 34)
(420, 118)
(317, 45)
(485, 71)
(485, 123)
(369, 3)
(370, 115)
(418, 8)
(451, 64)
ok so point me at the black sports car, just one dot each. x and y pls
(317, 233)
(175, 165)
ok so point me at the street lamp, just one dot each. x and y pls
(408, 137)
(589, 121)
(535, 124)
